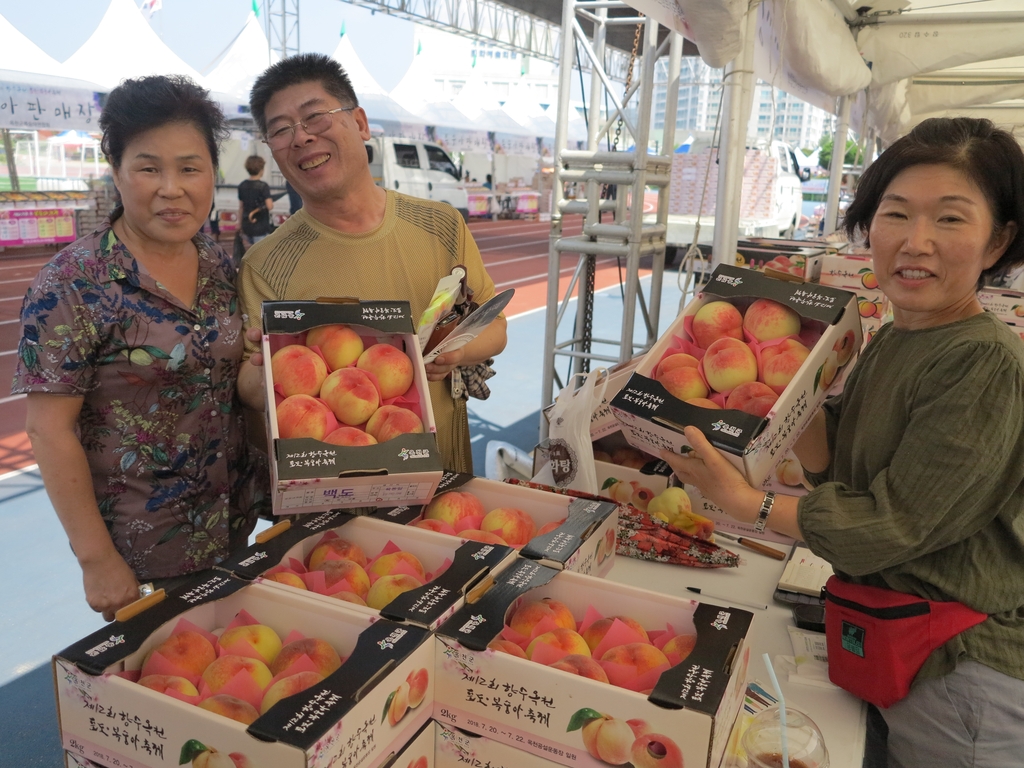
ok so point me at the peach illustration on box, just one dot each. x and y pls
(408, 695)
(202, 756)
(868, 279)
(620, 742)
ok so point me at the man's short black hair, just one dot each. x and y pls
(141, 104)
(303, 68)
(988, 156)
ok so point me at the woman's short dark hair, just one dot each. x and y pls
(988, 156)
(139, 105)
(254, 164)
(303, 68)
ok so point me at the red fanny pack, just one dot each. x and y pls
(878, 639)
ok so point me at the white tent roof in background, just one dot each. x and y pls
(242, 63)
(363, 82)
(528, 113)
(124, 46)
(420, 94)
(20, 54)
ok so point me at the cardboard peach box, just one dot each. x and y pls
(457, 747)
(418, 753)
(542, 710)
(765, 255)
(584, 542)
(461, 564)
(309, 475)
(652, 419)
(636, 483)
(855, 272)
(724, 522)
(1005, 304)
(114, 722)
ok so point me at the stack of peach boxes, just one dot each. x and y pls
(853, 272)
(338, 639)
(1005, 304)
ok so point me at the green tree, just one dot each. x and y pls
(825, 157)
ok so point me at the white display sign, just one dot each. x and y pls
(50, 108)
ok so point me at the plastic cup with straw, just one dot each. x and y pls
(783, 737)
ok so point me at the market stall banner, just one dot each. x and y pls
(48, 108)
(36, 226)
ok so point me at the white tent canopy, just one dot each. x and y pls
(125, 46)
(19, 54)
(246, 57)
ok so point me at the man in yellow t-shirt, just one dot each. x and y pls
(352, 238)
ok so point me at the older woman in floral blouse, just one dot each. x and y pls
(131, 344)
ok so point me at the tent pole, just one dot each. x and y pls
(738, 98)
(12, 165)
(557, 195)
(835, 173)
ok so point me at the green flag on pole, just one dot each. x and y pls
(256, 8)
(342, 29)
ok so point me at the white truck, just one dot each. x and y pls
(417, 168)
(770, 205)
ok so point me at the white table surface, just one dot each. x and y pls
(839, 715)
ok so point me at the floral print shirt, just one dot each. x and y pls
(161, 424)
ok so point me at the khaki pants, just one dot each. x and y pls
(972, 718)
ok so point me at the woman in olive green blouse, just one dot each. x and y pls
(919, 463)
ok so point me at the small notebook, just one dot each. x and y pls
(805, 573)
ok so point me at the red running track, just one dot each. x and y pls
(514, 252)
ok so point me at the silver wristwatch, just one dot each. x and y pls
(764, 511)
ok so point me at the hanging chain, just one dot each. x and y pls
(629, 80)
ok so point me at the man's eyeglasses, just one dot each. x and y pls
(314, 124)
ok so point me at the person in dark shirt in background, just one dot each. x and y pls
(294, 199)
(254, 203)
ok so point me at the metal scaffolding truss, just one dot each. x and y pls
(283, 26)
(607, 182)
(517, 26)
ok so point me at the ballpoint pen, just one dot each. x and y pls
(756, 546)
(724, 599)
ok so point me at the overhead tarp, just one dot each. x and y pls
(125, 46)
(236, 71)
(45, 102)
(805, 48)
(913, 44)
(713, 26)
(979, 83)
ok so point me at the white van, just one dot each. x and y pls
(417, 168)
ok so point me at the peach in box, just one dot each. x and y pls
(351, 395)
(298, 370)
(398, 562)
(780, 363)
(390, 421)
(595, 633)
(678, 360)
(727, 364)
(188, 650)
(391, 366)
(288, 686)
(753, 397)
(563, 641)
(579, 664)
(767, 320)
(346, 570)
(350, 436)
(230, 707)
(387, 588)
(340, 345)
(337, 548)
(164, 683)
(639, 657)
(323, 656)
(530, 614)
(716, 320)
(221, 672)
(257, 641)
(513, 526)
(683, 383)
(304, 416)
(453, 507)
